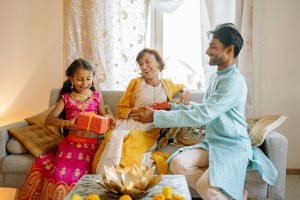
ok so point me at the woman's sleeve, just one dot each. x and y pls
(125, 106)
(224, 98)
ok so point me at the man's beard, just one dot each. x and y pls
(219, 60)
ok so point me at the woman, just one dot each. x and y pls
(127, 143)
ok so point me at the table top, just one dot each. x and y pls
(87, 185)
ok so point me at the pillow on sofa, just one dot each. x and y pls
(258, 128)
(181, 136)
(190, 136)
(37, 139)
(40, 119)
(15, 147)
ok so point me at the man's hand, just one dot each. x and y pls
(142, 114)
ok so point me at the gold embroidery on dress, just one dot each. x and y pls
(77, 172)
(83, 106)
(87, 158)
(63, 171)
(69, 155)
(80, 156)
(78, 145)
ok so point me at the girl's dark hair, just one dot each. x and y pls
(157, 56)
(228, 35)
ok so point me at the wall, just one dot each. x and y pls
(277, 88)
(31, 59)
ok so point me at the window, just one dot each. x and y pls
(177, 36)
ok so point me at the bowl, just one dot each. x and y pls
(134, 181)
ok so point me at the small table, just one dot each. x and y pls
(87, 185)
(9, 193)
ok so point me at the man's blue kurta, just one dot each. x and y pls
(227, 140)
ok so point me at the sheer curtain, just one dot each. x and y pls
(109, 34)
(214, 12)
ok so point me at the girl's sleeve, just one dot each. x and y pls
(225, 97)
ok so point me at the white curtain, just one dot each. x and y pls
(109, 34)
(239, 12)
(167, 5)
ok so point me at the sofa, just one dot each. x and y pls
(13, 168)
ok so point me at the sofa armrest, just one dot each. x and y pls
(275, 147)
(4, 136)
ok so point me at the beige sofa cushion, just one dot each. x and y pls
(40, 119)
(37, 139)
(259, 128)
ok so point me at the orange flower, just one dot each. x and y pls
(177, 197)
(93, 197)
(125, 197)
(159, 197)
(167, 192)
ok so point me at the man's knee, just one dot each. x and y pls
(176, 166)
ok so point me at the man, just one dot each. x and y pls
(217, 167)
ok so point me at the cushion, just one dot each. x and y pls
(15, 147)
(40, 119)
(190, 136)
(258, 128)
(37, 139)
(181, 136)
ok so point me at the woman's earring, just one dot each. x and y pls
(72, 86)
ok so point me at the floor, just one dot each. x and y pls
(292, 189)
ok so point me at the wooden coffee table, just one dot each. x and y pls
(87, 185)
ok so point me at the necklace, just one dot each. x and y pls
(154, 95)
(81, 97)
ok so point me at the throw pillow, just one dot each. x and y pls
(167, 136)
(15, 147)
(190, 136)
(258, 128)
(40, 119)
(37, 139)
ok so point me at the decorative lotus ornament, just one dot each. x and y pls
(134, 181)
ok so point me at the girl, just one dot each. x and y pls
(53, 175)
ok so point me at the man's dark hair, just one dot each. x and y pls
(228, 35)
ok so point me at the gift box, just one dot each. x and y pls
(161, 106)
(93, 123)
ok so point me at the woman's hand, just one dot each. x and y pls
(142, 114)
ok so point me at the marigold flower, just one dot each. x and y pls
(159, 197)
(93, 197)
(76, 197)
(125, 197)
(177, 197)
(167, 192)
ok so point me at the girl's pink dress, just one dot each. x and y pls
(53, 175)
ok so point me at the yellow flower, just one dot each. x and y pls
(167, 192)
(93, 197)
(177, 197)
(76, 197)
(159, 197)
(125, 197)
